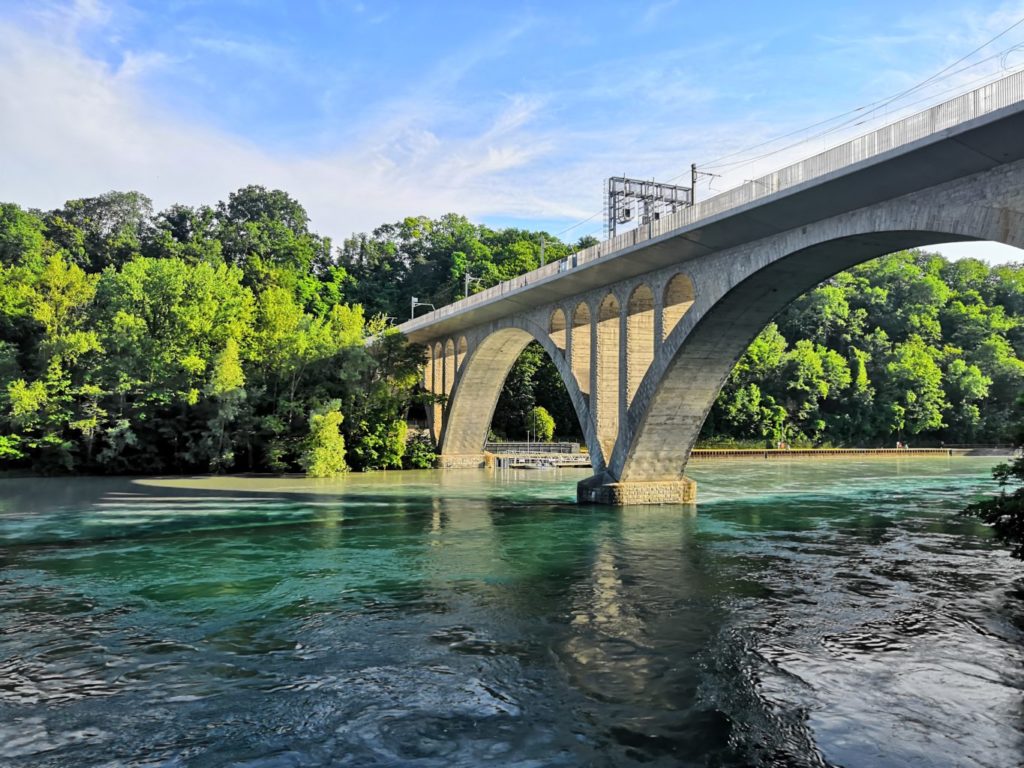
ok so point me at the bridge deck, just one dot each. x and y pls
(968, 134)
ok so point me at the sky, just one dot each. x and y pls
(511, 113)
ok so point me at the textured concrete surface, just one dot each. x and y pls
(595, 491)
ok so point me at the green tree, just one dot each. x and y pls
(912, 389)
(266, 234)
(226, 396)
(163, 324)
(381, 444)
(542, 426)
(185, 233)
(98, 232)
(324, 450)
(22, 240)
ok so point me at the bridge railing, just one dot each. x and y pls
(981, 101)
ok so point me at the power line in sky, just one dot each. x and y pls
(875, 105)
(856, 116)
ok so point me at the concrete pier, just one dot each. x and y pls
(595, 490)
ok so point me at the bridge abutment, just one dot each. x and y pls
(597, 490)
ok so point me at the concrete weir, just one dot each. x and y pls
(645, 328)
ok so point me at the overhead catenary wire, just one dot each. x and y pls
(579, 223)
(875, 105)
(929, 97)
(857, 113)
(738, 164)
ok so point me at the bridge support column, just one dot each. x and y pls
(596, 490)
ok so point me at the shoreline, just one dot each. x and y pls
(825, 453)
(703, 454)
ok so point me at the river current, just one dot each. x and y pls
(829, 613)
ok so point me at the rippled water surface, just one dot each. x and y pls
(808, 614)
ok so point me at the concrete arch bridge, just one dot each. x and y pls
(645, 328)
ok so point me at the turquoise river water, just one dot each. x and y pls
(833, 613)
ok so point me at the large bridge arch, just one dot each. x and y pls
(738, 294)
(478, 386)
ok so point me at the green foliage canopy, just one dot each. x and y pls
(191, 340)
(206, 339)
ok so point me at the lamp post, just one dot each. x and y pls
(470, 279)
(417, 303)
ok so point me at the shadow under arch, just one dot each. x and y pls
(478, 386)
(709, 340)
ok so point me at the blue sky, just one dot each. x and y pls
(511, 113)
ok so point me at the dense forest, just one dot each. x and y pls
(908, 347)
(233, 338)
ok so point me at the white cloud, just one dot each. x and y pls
(70, 18)
(72, 127)
(655, 11)
(137, 65)
(993, 253)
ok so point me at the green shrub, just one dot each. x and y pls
(420, 453)
(380, 445)
(324, 454)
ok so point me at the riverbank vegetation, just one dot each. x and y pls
(234, 338)
(193, 340)
(908, 347)
(1004, 512)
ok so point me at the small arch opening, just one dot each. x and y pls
(580, 343)
(557, 329)
(508, 377)
(639, 337)
(428, 368)
(606, 396)
(679, 297)
(436, 408)
(533, 393)
(449, 366)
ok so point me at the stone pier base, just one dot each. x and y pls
(461, 461)
(596, 491)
